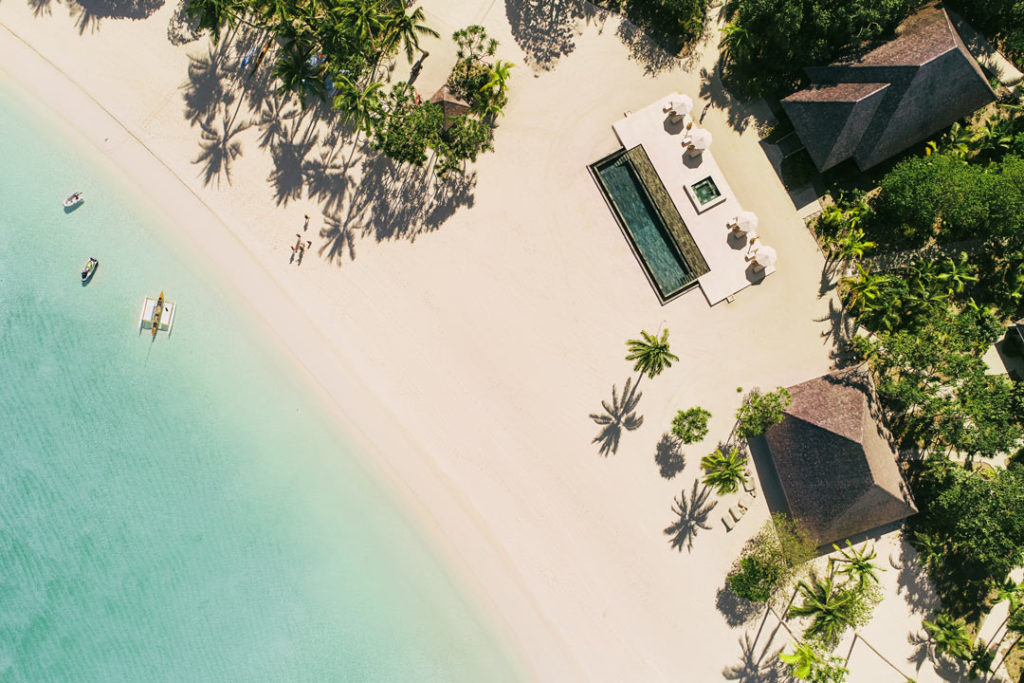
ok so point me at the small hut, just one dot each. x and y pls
(451, 106)
(838, 472)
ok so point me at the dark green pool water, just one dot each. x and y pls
(649, 234)
(706, 191)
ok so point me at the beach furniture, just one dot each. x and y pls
(729, 524)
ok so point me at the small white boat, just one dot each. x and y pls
(89, 269)
(74, 200)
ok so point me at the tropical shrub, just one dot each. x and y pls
(724, 472)
(761, 411)
(812, 661)
(691, 425)
(769, 559)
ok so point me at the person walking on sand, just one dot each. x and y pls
(296, 247)
(302, 250)
(305, 226)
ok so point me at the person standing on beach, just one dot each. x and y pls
(305, 226)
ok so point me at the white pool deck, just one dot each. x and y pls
(726, 255)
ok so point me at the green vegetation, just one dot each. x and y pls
(761, 411)
(949, 636)
(724, 472)
(333, 50)
(768, 42)
(970, 530)
(812, 661)
(769, 559)
(650, 354)
(690, 426)
(834, 606)
(672, 23)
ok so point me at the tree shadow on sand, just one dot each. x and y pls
(547, 31)
(618, 415)
(219, 148)
(182, 29)
(89, 13)
(668, 456)
(692, 516)
(206, 89)
(736, 610)
(757, 665)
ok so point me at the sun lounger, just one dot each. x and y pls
(727, 521)
(745, 502)
(736, 513)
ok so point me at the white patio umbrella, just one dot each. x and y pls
(746, 222)
(681, 105)
(765, 256)
(700, 139)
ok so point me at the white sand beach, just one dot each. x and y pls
(464, 347)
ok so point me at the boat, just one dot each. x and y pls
(89, 269)
(74, 200)
(157, 314)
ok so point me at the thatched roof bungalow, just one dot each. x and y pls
(838, 472)
(881, 103)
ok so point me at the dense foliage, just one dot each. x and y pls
(812, 661)
(761, 411)
(332, 50)
(768, 42)
(970, 530)
(769, 559)
(690, 426)
(724, 471)
(673, 23)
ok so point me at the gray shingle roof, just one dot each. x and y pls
(931, 78)
(837, 470)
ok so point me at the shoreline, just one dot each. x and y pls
(438, 516)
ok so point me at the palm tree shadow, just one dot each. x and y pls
(41, 8)
(692, 516)
(289, 154)
(218, 149)
(326, 182)
(840, 332)
(89, 13)
(546, 31)
(340, 237)
(205, 90)
(181, 29)
(618, 415)
(756, 666)
(668, 456)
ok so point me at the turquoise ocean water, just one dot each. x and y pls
(182, 510)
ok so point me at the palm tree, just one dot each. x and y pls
(857, 564)
(212, 15)
(805, 659)
(864, 289)
(406, 29)
(496, 84)
(850, 245)
(830, 607)
(959, 273)
(736, 43)
(724, 472)
(949, 636)
(300, 73)
(651, 354)
(363, 17)
(360, 107)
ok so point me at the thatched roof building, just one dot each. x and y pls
(838, 472)
(893, 97)
(451, 106)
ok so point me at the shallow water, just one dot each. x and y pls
(182, 509)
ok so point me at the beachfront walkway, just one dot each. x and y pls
(726, 255)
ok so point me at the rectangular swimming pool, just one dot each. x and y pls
(650, 220)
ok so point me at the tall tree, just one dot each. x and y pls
(651, 354)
